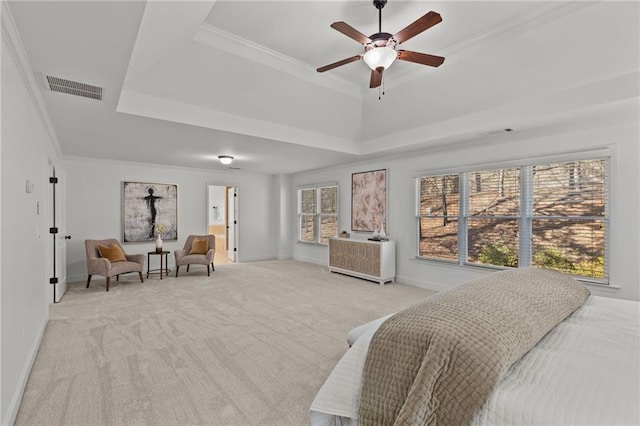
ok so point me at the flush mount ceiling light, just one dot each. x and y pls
(225, 159)
(380, 48)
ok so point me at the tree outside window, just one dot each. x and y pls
(551, 215)
(318, 214)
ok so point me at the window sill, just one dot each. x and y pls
(312, 243)
(594, 283)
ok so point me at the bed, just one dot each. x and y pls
(585, 370)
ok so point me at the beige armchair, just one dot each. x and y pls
(199, 253)
(97, 264)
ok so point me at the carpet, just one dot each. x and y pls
(250, 345)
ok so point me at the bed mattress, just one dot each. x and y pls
(585, 371)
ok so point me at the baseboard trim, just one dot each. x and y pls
(313, 260)
(16, 400)
(422, 284)
(256, 259)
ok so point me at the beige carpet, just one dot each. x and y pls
(250, 345)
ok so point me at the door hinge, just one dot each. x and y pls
(235, 249)
(53, 280)
(53, 230)
(53, 179)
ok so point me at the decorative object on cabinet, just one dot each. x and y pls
(146, 207)
(344, 234)
(374, 261)
(368, 200)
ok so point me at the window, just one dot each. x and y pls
(318, 213)
(492, 217)
(550, 215)
(439, 208)
(569, 217)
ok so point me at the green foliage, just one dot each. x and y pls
(591, 268)
(553, 258)
(499, 255)
(503, 255)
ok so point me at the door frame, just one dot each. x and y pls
(56, 218)
(226, 215)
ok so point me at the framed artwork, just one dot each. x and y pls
(369, 200)
(149, 209)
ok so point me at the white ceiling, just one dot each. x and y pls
(185, 82)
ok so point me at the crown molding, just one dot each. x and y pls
(231, 43)
(12, 37)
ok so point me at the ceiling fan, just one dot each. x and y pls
(380, 48)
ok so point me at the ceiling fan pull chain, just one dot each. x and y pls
(381, 90)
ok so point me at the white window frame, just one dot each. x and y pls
(317, 215)
(525, 230)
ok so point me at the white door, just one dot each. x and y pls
(232, 221)
(58, 280)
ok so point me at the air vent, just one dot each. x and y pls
(61, 85)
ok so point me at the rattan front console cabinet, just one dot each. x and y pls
(371, 260)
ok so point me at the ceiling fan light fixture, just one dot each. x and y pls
(225, 159)
(380, 57)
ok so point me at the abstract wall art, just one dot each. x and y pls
(369, 200)
(149, 209)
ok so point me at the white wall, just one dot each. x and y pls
(624, 243)
(217, 200)
(27, 148)
(94, 193)
(286, 213)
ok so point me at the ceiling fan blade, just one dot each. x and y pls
(339, 63)
(350, 32)
(376, 78)
(419, 25)
(420, 58)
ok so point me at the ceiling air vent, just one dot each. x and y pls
(74, 88)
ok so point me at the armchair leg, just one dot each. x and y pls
(187, 267)
(212, 267)
(141, 279)
(208, 274)
(177, 269)
(88, 281)
(118, 277)
(108, 280)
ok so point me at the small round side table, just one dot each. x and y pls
(164, 262)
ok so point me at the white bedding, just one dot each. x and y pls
(586, 371)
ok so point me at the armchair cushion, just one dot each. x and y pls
(113, 253)
(199, 246)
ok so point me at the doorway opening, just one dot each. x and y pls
(222, 221)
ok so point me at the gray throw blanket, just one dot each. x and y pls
(437, 362)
